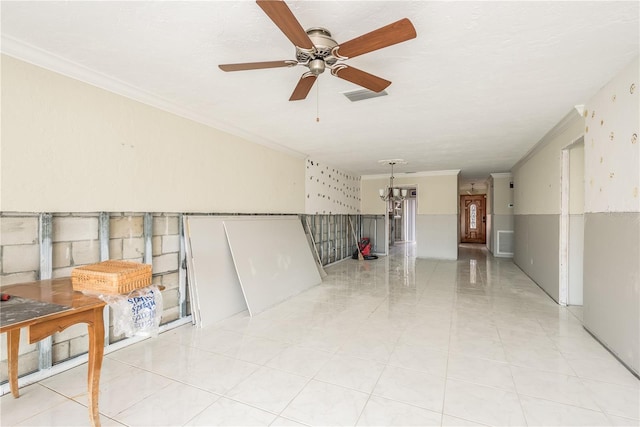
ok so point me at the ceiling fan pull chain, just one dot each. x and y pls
(318, 102)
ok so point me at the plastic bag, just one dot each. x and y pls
(137, 313)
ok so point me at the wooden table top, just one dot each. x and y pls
(54, 291)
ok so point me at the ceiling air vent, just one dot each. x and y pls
(362, 94)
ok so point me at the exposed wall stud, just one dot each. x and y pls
(45, 231)
(103, 221)
(321, 240)
(103, 233)
(339, 237)
(182, 270)
(148, 238)
(332, 254)
(375, 233)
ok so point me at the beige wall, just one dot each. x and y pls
(437, 225)
(437, 192)
(537, 177)
(68, 146)
(536, 195)
(502, 195)
(371, 203)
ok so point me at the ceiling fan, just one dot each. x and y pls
(316, 50)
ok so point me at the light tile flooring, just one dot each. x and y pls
(397, 341)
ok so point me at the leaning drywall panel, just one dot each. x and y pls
(272, 259)
(191, 277)
(219, 294)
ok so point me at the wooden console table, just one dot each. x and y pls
(40, 298)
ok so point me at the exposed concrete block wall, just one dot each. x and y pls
(166, 262)
(75, 242)
(126, 236)
(126, 242)
(19, 262)
(19, 249)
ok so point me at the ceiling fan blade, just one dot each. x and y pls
(303, 87)
(256, 65)
(361, 78)
(284, 19)
(388, 35)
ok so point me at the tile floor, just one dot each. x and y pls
(397, 341)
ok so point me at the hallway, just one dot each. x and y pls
(394, 341)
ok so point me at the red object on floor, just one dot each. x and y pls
(365, 246)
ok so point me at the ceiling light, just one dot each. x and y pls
(393, 194)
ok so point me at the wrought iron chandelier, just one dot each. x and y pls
(391, 193)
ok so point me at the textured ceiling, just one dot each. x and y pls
(478, 87)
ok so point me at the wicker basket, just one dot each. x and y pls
(111, 277)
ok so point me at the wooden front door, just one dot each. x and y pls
(472, 219)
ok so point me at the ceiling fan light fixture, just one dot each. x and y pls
(317, 66)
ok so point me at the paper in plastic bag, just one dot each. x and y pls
(137, 313)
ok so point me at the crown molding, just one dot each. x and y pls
(412, 174)
(47, 60)
(502, 175)
(573, 114)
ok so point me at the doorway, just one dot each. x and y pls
(572, 224)
(409, 220)
(401, 217)
(473, 227)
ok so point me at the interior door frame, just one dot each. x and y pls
(565, 174)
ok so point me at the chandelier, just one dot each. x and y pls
(393, 194)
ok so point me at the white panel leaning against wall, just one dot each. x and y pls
(330, 190)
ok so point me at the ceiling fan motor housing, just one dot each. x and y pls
(321, 55)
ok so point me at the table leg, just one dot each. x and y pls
(96, 351)
(13, 342)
